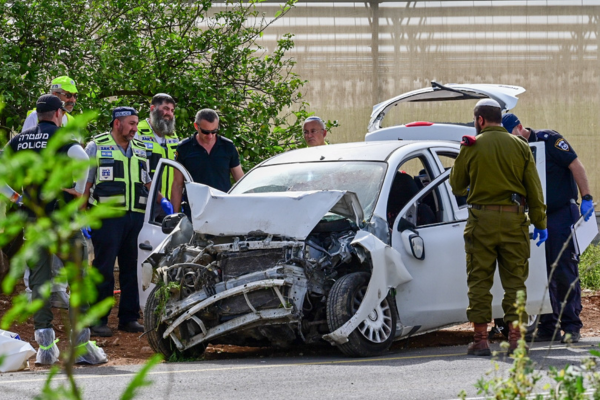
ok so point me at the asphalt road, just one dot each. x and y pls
(430, 373)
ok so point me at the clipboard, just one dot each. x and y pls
(584, 233)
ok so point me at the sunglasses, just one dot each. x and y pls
(69, 95)
(214, 131)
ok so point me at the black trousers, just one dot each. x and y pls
(567, 271)
(117, 238)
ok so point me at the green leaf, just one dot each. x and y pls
(140, 378)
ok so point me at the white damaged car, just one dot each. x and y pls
(355, 244)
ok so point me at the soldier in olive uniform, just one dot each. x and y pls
(495, 171)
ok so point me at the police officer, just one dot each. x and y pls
(50, 111)
(64, 88)
(564, 174)
(496, 170)
(158, 134)
(121, 175)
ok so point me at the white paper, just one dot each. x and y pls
(584, 232)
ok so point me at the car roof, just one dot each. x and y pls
(356, 151)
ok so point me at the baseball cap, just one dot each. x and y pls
(488, 102)
(510, 121)
(48, 102)
(122, 112)
(65, 83)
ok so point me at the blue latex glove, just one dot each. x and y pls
(587, 209)
(543, 234)
(87, 232)
(166, 206)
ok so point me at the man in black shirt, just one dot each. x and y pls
(564, 174)
(209, 157)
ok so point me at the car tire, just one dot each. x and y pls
(374, 335)
(166, 347)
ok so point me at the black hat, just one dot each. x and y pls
(49, 102)
(510, 122)
(122, 112)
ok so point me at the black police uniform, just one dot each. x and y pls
(212, 168)
(563, 212)
(36, 139)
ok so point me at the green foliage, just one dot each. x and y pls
(522, 378)
(140, 378)
(19, 312)
(569, 382)
(179, 357)
(589, 268)
(163, 294)
(50, 230)
(122, 53)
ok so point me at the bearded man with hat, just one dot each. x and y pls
(64, 88)
(495, 171)
(121, 177)
(158, 134)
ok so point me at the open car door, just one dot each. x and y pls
(151, 234)
(433, 253)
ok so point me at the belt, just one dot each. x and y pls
(493, 207)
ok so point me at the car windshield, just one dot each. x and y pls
(360, 177)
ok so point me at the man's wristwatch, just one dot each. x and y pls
(587, 197)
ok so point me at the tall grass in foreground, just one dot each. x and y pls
(589, 268)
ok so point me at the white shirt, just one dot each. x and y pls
(32, 120)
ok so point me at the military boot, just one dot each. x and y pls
(480, 345)
(514, 334)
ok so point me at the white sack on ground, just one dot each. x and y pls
(14, 352)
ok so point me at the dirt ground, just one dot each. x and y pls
(128, 348)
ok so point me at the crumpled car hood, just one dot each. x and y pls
(291, 214)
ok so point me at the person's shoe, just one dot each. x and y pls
(480, 345)
(514, 335)
(93, 354)
(101, 330)
(131, 326)
(573, 338)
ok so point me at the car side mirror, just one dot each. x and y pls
(170, 222)
(417, 246)
(414, 244)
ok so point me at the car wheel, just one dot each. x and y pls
(502, 327)
(166, 347)
(374, 335)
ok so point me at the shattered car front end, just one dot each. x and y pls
(293, 267)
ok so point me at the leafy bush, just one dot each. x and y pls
(522, 378)
(123, 52)
(45, 173)
(589, 268)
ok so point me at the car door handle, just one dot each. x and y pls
(145, 246)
